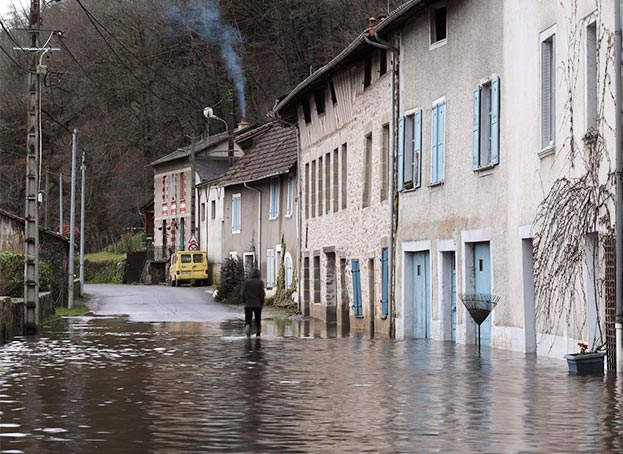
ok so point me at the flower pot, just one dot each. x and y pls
(587, 363)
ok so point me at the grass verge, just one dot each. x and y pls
(104, 256)
(78, 309)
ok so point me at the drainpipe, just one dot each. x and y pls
(619, 186)
(378, 42)
(259, 224)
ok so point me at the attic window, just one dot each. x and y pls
(332, 90)
(306, 111)
(438, 24)
(383, 62)
(367, 71)
(319, 97)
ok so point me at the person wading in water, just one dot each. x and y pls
(252, 295)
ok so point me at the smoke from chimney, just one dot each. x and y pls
(204, 18)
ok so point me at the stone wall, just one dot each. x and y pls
(12, 314)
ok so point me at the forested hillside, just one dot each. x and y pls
(134, 76)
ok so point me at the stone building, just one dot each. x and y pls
(343, 114)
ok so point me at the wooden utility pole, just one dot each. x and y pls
(31, 225)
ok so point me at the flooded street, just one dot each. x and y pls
(107, 385)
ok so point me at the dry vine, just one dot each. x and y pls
(578, 205)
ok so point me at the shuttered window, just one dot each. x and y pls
(486, 124)
(548, 91)
(270, 268)
(384, 282)
(235, 213)
(356, 288)
(410, 151)
(438, 146)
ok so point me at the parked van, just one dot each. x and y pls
(188, 266)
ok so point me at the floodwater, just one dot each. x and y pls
(102, 385)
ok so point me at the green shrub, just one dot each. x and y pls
(283, 296)
(106, 272)
(12, 274)
(232, 277)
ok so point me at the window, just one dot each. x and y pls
(383, 169)
(327, 180)
(203, 211)
(383, 61)
(306, 111)
(320, 187)
(367, 71)
(287, 265)
(172, 179)
(290, 198)
(319, 97)
(336, 177)
(548, 91)
(270, 268)
(332, 90)
(165, 191)
(438, 24)
(384, 282)
(235, 213)
(273, 212)
(344, 176)
(197, 258)
(307, 191)
(316, 279)
(438, 142)
(486, 130)
(367, 171)
(313, 189)
(213, 209)
(248, 261)
(186, 258)
(356, 288)
(410, 151)
(591, 77)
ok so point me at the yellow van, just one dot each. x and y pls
(188, 266)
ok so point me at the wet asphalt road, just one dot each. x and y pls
(155, 303)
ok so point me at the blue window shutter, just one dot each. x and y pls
(385, 282)
(495, 120)
(441, 140)
(476, 129)
(356, 287)
(401, 148)
(417, 149)
(433, 157)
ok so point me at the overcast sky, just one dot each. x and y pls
(6, 5)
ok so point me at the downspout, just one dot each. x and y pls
(259, 224)
(619, 187)
(392, 212)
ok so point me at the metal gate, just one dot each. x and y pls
(610, 293)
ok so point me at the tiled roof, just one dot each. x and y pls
(273, 153)
(17, 218)
(199, 146)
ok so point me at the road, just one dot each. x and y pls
(142, 303)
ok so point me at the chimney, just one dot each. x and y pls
(243, 123)
(371, 26)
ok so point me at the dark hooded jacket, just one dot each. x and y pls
(252, 292)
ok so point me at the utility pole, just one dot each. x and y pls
(31, 224)
(60, 203)
(72, 220)
(82, 182)
(193, 182)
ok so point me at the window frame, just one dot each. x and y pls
(548, 35)
(488, 90)
(273, 201)
(434, 44)
(235, 197)
(437, 163)
(290, 198)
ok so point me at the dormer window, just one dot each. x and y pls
(367, 71)
(306, 111)
(438, 24)
(319, 97)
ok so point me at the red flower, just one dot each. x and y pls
(582, 345)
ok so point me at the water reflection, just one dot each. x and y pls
(105, 385)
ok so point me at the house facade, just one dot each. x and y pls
(343, 114)
(259, 195)
(484, 138)
(173, 191)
